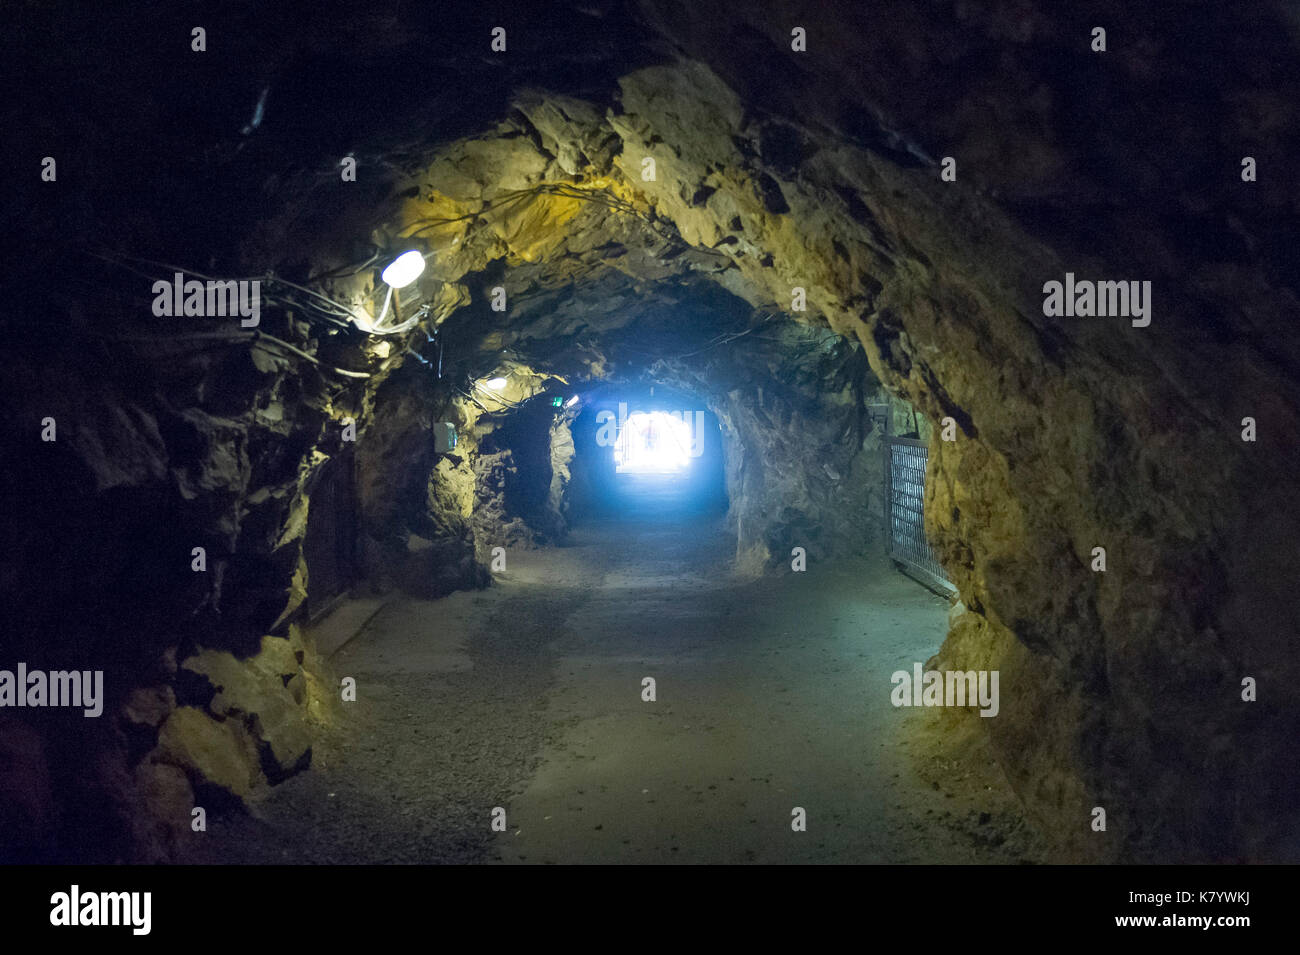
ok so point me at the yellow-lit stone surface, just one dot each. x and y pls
(220, 752)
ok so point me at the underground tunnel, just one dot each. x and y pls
(784, 433)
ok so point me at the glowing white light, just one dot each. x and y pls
(496, 384)
(653, 443)
(571, 402)
(404, 269)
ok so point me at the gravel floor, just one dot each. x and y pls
(771, 695)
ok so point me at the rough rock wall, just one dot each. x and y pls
(212, 689)
(802, 454)
(1072, 435)
(602, 279)
(522, 471)
(430, 520)
(416, 505)
(561, 449)
(1121, 690)
(167, 510)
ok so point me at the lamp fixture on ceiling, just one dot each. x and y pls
(404, 269)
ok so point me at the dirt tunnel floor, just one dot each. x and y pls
(771, 694)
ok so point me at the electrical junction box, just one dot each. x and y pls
(444, 436)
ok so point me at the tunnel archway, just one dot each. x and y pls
(692, 485)
(796, 258)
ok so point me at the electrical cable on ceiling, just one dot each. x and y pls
(495, 397)
(342, 316)
(254, 338)
(343, 269)
(466, 394)
(712, 343)
(338, 314)
(563, 190)
(325, 308)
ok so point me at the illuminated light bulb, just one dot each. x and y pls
(496, 384)
(571, 402)
(404, 269)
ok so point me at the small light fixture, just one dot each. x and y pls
(404, 269)
(496, 384)
(571, 402)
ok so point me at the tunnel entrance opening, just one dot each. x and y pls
(647, 457)
(655, 442)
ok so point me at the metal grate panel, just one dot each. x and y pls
(905, 460)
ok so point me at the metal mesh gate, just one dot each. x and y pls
(905, 542)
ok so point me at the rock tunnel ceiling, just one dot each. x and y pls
(871, 223)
